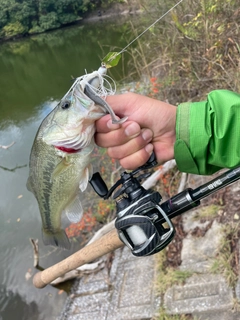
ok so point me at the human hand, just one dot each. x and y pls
(150, 127)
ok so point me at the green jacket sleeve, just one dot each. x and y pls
(208, 133)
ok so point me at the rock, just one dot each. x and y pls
(201, 293)
(198, 252)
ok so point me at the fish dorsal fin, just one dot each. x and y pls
(74, 211)
(87, 174)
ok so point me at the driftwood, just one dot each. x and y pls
(183, 182)
(80, 271)
(6, 147)
(154, 178)
(101, 232)
(34, 244)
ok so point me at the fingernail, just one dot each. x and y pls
(132, 130)
(147, 134)
(111, 125)
(149, 148)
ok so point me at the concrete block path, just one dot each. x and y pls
(204, 295)
(124, 293)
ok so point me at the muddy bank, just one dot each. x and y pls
(119, 10)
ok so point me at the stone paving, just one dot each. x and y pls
(204, 295)
(127, 291)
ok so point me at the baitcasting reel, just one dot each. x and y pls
(141, 223)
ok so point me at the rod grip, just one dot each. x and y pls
(107, 243)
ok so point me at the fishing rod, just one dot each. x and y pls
(141, 218)
(143, 223)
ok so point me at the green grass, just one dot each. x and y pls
(208, 212)
(164, 316)
(192, 51)
(225, 260)
(168, 276)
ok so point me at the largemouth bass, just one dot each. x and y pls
(60, 156)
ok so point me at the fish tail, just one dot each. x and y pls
(58, 239)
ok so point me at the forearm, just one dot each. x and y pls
(208, 133)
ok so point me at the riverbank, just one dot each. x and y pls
(114, 11)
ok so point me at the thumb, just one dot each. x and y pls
(122, 104)
(104, 124)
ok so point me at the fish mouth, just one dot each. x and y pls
(67, 150)
(69, 145)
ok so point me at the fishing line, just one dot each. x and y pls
(160, 18)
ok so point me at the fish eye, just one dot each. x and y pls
(66, 104)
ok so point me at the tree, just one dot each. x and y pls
(18, 17)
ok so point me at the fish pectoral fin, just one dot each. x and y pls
(74, 211)
(87, 174)
(62, 166)
(59, 239)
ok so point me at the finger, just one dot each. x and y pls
(133, 145)
(105, 124)
(126, 132)
(137, 159)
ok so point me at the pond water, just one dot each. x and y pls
(34, 74)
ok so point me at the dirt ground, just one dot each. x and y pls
(129, 8)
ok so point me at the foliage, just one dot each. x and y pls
(211, 34)
(165, 316)
(207, 212)
(20, 17)
(86, 224)
(49, 21)
(190, 52)
(13, 29)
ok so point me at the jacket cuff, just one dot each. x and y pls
(182, 154)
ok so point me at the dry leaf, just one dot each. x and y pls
(236, 216)
(28, 274)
